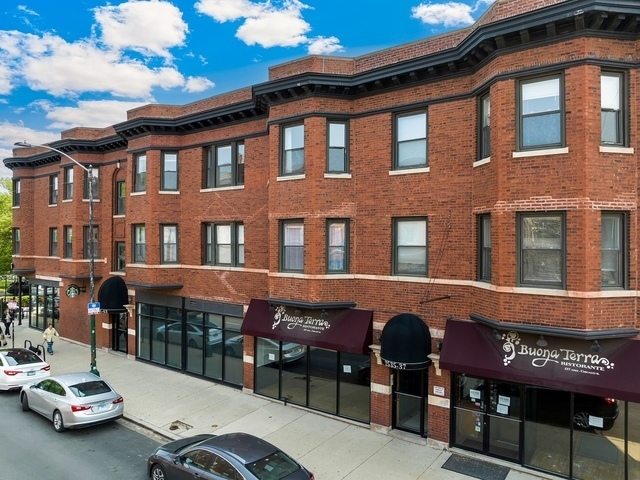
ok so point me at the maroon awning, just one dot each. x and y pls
(563, 364)
(345, 330)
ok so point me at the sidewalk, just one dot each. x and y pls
(176, 405)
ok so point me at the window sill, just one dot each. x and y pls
(134, 194)
(169, 192)
(218, 189)
(623, 150)
(337, 175)
(482, 161)
(410, 171)
(119, 215)
(52, 205)
(539, 153)
(291, 177)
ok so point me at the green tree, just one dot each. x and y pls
(6, 220)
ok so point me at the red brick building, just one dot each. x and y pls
(439, 238)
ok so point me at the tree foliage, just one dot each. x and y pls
(6, 219)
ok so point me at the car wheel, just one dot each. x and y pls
(193, 344)
(581, 420)
(25, 403)
(157, 473)
(58, 424)
(230, 352)
(160, 337)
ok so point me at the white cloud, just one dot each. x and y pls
(27, 10)
(52, 65)
(450, 14)
(97, 114)
(198, 84)
(267, 25)
(148, 27)
(325, 46)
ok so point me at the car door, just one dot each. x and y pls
(35, 395)
(222, 469)
(193, 464)
(52, 397)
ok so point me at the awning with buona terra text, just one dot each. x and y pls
(342, 329)
(562, 364)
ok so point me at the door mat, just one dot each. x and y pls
(476, 468)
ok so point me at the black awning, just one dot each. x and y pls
(406, 343)
(561, 364)
(345, 330)
(113, 295)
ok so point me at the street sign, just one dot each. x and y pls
(93, 308)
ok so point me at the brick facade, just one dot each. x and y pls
(581, 181)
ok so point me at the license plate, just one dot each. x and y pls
(29, 374)
(100, 407)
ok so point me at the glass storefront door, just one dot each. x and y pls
(120, 323)
(409, 401)
(487, 416)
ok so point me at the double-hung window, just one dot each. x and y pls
(541, 242)
(541, 113)
(92, 182)
(484, 248)
(68, 241)
(120, 256)
(16, 241)
(614, 250)
(484, 136)
(292, 246)
(169, 181)
(91, 243)
(225, 165)
(53, 242)
(411, 141)
(169, 252)
(612, 109)
(68, 183)
(139, 244)
(338, 146)
(410, 246)
(140, 173)
(16, 193)
(121, 197)
(53, 190)
(292, 150)
(337, 246)
(224, 244)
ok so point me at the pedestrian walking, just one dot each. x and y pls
(8, 319)
(48, 335)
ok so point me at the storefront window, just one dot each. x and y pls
(44, 306)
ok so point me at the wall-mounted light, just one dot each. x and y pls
(595, 347)
(496, 336)
(378, 334)
(324, 314)
(272, 308)
(298, 311)
(542, 342)
(439, 345)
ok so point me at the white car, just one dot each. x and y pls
(73, 400)
(20, 366)
(194, 334)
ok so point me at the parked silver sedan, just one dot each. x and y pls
(73, 400)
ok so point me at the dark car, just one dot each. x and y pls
(15, 288)
(590, 412)
(234, 456)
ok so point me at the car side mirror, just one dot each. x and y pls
(32, 387)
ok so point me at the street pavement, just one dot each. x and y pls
(175, 405)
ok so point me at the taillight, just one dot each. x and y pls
(312, 476)
(118, 400)
(46, 369)
(79, 408)
(611, 401)
(11, 372)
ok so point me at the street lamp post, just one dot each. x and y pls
(93, 368)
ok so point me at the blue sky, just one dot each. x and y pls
(69, 63)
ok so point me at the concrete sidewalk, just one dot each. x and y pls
(176, 405)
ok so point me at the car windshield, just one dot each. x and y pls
(273, 467)
(88, 389)
(21, 357)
